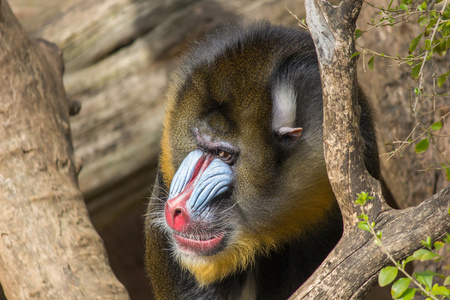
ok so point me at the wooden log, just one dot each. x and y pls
(48, 246)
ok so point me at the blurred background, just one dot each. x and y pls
(118, 56)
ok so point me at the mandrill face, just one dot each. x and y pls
(232, 134)
(242, 206)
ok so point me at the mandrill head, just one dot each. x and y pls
(242, 156)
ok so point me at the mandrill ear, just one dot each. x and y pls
(284, 112)
(288, 134)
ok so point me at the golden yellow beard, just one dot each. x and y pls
(245, 246)
(234, 258)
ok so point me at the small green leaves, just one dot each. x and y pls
(363, 198)
(417, 91)
(379, 234)
(446, 239)
(415, 71)
(422, 255)
(436, 126)
(387, 275)
(438, 245)
(364, 217)
(447, 172)
(414, 43)
(423, 6)
(370, 63)
(447, 280)
(427, 243)
(404, 7)
(408, 294)
(426, 278)
(422, 146)
(364, 225)
(358, 34)
(355, 54)
(442, 79)
(440, 290)
(399, 287)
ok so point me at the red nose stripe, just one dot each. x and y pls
(176, 213)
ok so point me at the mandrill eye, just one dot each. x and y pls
(225, 156)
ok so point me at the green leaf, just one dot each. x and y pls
(438, 245)
(399, 287)
(358, 34)
(422, 146)
(408, 294)
(447, 172)
(379, 234)
(364, 226)
(423, 6)
(442, 79)
(415, 71)
(370, 63)
(422, 255)
(414, 43)
(436, 126)
(355, 54)
(426, 278)
(363, 197)
(422, 21)
(426, 243)
(446, 13)
(428, 256)
(440, 290)
(446, 239)
(447, 280)
(390, 3)
(387, 275)
(364, 217)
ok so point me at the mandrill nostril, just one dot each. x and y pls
(177, 212)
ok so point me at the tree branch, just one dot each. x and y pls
(352, 267)
(343, 145)
(341, 275)
(48, 247)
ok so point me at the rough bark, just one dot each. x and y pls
(48, 247)
(340, 276)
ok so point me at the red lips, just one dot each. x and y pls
(198, 244)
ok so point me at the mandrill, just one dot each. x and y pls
(242, 205)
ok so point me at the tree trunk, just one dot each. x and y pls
(340, 276)
(48, 247)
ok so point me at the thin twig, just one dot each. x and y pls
(421, 80)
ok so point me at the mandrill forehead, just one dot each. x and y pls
(227, 104)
